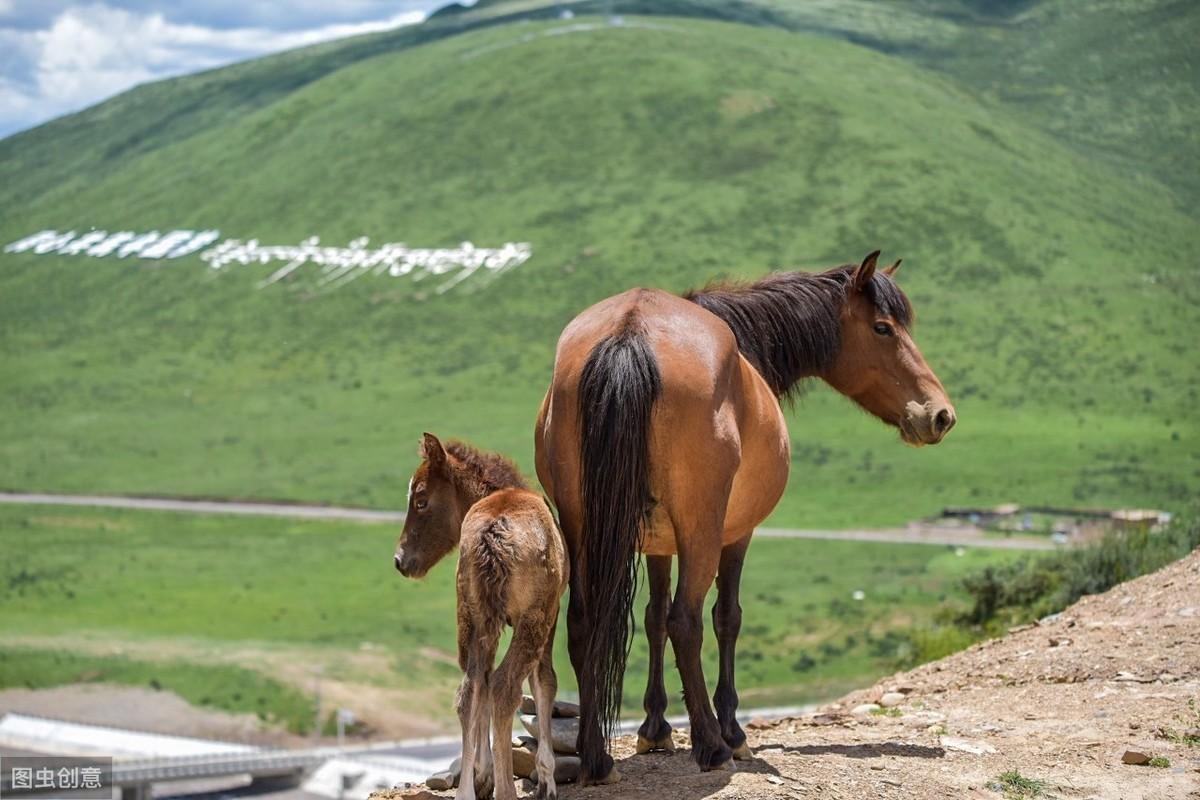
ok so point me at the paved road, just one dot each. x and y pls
(954, 537)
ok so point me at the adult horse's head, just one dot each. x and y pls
(879, 366)
(435, 512)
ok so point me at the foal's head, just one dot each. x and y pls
(450, 479)
(878, 364)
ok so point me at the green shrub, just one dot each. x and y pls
(1035, 587)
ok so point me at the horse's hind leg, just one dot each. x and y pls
(655, 733)
(523, 654)
(727, 622)
(544, 683)
(699, 553)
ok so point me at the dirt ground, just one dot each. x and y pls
(1059, 702)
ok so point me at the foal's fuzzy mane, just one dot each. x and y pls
(788, 323)
(491, 472)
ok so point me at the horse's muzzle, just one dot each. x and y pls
(928, 422)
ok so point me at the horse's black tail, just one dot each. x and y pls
(617, 390)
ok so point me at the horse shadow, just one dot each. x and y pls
(643, 775)
(866, 750)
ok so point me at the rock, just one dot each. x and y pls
(567, 768)
(419, 794)
(447, 778)
(864, 709)
(1129, 677)
(966, 745)
(758, 724)
(1135, 757)
(564, 732)
(891, 699)
(826, 718)
(775, 779)
(440, 781)
(562, 708)
(524, 761)
(1059, 641)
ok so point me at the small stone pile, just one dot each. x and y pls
(564, 730)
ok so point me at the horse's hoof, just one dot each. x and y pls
(663, 745)
(720, 758)
(613, 776)
(743, 752)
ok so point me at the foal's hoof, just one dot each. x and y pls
(664, 745)
(743, 752)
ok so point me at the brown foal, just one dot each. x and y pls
(662, 433)
(512, 569)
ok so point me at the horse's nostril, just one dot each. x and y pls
(399, 564)
(943, 421)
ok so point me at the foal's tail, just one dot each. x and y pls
(617, 390)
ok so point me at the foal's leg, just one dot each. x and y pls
(544, 683)
(727, 622)
(655, 733)
(523, 654)
(478, 652)
(699, 551)
(468, 704)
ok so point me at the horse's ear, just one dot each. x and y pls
(865, 270)
(433, 452)
(891, 271)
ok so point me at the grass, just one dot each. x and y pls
(1160, 762)
(220, 687)
(1049, 286)
(1189, 733)
(214, 587)
(1015, 785)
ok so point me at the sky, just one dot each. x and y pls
(59, 56)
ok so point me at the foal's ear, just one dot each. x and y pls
(865, 271)
(891, 271)
(433, 452)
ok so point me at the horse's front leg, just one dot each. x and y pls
(655, 733)
(727, 622)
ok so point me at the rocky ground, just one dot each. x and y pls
(1051, 710)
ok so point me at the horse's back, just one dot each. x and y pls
(713, 407)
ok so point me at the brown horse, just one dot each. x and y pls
(662, 432)
(512, 570)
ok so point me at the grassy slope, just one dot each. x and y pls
(1047, 285)
(116, 577)
(225, 688)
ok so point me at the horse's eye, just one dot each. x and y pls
(421, 504)
(883, 329)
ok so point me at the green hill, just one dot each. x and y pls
(1050, 285)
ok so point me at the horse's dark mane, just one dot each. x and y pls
(490, 472)
(788, 323)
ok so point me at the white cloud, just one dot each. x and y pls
(91, 52)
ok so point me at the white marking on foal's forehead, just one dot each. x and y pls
(410, 485)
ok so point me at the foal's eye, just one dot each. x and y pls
(421, 504)
(883, 329)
